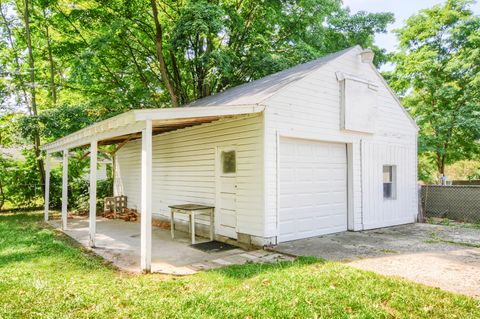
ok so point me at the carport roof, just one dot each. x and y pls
(129, 125)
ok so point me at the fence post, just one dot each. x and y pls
(421, 215)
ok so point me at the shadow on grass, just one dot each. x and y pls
(250, 270)
(25, 237)
(19, 216)
(19, 210)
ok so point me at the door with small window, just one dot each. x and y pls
(226, 206)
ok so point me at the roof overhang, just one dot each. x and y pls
(129, 125)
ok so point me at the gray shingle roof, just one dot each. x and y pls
(257, 91)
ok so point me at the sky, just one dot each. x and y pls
(402, 9)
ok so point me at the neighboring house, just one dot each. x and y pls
(102, 167)
(319, 148)
(13, 153)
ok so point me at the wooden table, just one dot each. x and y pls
(191, 210)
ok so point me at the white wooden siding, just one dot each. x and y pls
(184, 169)
(380, 212)
(310, 108)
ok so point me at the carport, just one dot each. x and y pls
(118, 130)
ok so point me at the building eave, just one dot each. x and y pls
(133, 122)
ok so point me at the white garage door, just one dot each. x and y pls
(313, 188)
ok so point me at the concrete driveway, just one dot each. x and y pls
(447, 257)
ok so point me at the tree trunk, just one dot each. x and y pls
(16, 58)
(33, 102)
(177, 78)
(2, 195)
(161, 59)
(441, 158)
(53, 87)
(442, 165)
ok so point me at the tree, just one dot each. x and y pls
(29, 85)
(437, 71)
(33, 110)
(68, 64)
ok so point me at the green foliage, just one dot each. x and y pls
(7, 129)
(64, 119)
(78, 184)
(438, 71)
(103, 54)
(20, 188)
(426, 167)
(475, 176)
(19, 180)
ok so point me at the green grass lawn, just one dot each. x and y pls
(43, 274)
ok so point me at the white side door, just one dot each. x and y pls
(226, 203)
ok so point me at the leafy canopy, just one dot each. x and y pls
(437, 70)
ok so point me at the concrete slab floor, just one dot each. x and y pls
(447, 257)
(119, 242)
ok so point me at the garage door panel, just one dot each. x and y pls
(321, 186)
(322, 199)
(319, 173)
(313, 188)
(303, 174)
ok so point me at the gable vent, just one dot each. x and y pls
(367, 56)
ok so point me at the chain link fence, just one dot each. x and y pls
(456, 202)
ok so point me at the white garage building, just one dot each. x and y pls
(320, 148)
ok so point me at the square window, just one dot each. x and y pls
(389, 181)
(229, 162)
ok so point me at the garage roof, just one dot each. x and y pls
(242, 99)
(258, 91)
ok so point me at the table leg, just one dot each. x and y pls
(211, 225)
(172, 224)
(192, 222)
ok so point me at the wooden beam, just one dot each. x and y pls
(122, 144)
(146, 199)
(47, 185)
(65, 189)
(93, 193)
(81, 158)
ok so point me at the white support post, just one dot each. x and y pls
(146, 200)
(93, 193)
(47, 185)
(64, 189)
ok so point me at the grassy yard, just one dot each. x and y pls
(43, 274)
